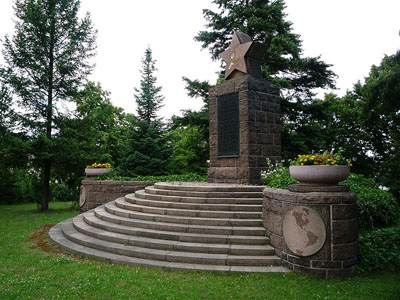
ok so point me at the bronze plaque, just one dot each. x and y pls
(228, 125)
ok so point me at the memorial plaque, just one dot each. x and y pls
(228, 125)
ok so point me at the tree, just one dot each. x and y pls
(190, 150)
(148, 98)
(95, 133)
(379, 100)
(47, 60)
(283, 64)
(146, 151)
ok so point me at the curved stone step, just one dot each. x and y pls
(195, 206)
(257, 250)
(166, 255)
(227, 194)
(203, 187)
(91, 219)
(194, 213)
(103, 214)
(124, 211)
(57, 236)
(142, 194)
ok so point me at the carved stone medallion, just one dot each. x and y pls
(304, 231)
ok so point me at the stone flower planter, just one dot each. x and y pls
(96, 171)
(319, 175)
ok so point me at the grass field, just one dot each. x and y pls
(28, 273)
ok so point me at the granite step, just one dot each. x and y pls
(194, 206)
(124, 211)
(103, 214)
(179, 193)
(208, 188)
(142, 194)
(192, 212)
(91, 219)
(171, 245)
(57, 236)
(166, 255)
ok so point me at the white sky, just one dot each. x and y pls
(349, 34)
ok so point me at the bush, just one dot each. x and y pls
(63, 193)
(277, 176)
(113, 175)
(380, 250)
(376, 207)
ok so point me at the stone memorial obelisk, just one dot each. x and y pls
(244, 116)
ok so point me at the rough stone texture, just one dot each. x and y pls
(94, 193)
(306, 188)
(259, 127)
(338, 256)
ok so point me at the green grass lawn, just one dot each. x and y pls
(26, 272)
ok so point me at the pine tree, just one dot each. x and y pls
(148, 98)
(146, 150)
(46, 61)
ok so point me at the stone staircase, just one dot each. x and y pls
(181, 226)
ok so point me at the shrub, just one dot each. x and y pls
(376, 207)
(380, 250)
(277, 176)
(63, 193)
(113, 175)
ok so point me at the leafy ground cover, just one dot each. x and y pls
(26, 272)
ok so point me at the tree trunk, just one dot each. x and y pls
(49, 111)
(44, 205)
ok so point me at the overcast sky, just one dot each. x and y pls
(349, 34)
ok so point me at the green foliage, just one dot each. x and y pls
(380, 250)
(63, 193)
(376, 207)
(277, 176)
(190, 151)
(146, 151)
(46, 61)
(148, 99)
(190, 177)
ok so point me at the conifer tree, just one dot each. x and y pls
(146, 150)
(47, 59)
(148, 98)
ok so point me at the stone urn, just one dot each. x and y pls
(96, 171)
(320, 174)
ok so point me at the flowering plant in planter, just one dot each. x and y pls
(97, 169)
(325, 159)
(320, 169)
(96, 165)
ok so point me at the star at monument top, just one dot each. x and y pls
(243, 56)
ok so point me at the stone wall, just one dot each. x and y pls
(260, 137)
(338, 212)
(97, 192)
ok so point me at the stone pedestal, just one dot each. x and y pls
(258, 134)
(313, 232)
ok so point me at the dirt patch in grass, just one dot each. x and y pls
(41, 241)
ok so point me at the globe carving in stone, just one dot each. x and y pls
(304, 231)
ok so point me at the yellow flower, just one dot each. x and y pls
(302, 164)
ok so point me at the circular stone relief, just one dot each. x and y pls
(304, 231)
(82, 196)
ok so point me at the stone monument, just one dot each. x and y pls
(244, 116)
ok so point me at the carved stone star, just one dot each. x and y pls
(243, 56)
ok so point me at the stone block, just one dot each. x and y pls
(325, 264)
(228, 162)
(226, 173)
(345, 252)
(276, 241)
(339, 273)
(345, 232)
(298, 260)
(344, 211)
(227, 87)
(312, 271)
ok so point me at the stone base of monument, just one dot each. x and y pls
(313, 229)
(244, 129)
